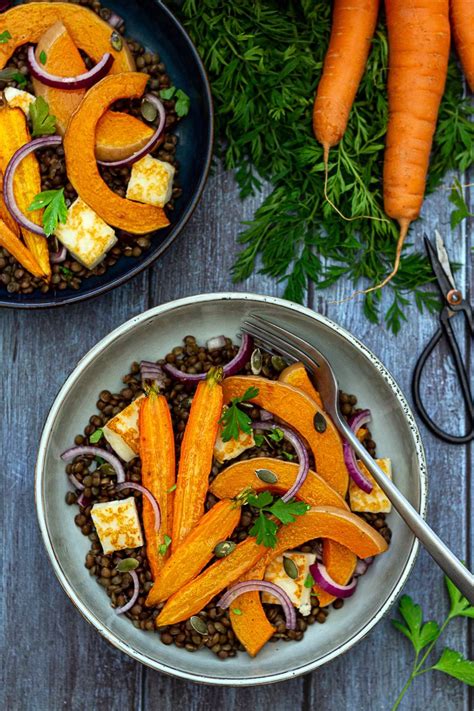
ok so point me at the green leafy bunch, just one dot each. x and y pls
(264, 60)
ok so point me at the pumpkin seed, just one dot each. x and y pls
(148, 111)
(223, 548)
(256, 361)
(266, 476)
(127, 564)
(198, 625)
(320, 423)
(116, 41)
(290, 568)
(278, 363)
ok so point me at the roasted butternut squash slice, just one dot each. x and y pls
(82, 170)
(305, 416)
(119, 135)
(28, 22)
(297, 376)
(12, 243)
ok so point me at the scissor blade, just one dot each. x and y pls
(444, 283)
(444, 259)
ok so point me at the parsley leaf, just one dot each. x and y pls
(236, 611)
(164, 546)
(419, 635)
(56, 208)
(183, 102)
(43, 123)
(286, 512)
(96, 436)
(260, 501)
(309, 581)
(454, 664)
(288, 456)
(276, 435)
(258, 439)
(461, 211)
(264, 528)
(460, 606)
(12, 74)
(234, 420)
(43, 57)
(5, 36)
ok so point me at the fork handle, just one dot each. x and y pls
(438, 550)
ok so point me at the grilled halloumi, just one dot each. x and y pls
(376, 501)
(295, 588)
(151, 181)
(121, 431)
(223, 451)
(117, 525)
(85, 235)
(18, 99)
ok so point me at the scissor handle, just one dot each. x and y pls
(463, 379)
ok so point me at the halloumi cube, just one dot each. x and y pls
(121, 431)
(223, 451)
(151, 181)
(117, 525)
(18, 99)
(295, 588)
(85, 235)
(376, 501)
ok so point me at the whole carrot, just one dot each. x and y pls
(462, 25)
(197, 450)
(353, 27)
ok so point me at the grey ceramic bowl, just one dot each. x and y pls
(151, 335)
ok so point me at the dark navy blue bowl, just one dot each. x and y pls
(152, 24)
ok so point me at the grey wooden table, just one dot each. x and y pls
(52, 658)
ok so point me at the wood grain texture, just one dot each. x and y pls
(53, 659)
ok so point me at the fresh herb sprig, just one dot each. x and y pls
(264, 58)
(264, 528)
(234, 420)
(55, 208)
(424, 635)
(5, 36)
(182, 100)
(42, 122)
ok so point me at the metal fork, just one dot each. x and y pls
(288, 344)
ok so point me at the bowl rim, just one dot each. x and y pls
(76, 297)
(89, 357)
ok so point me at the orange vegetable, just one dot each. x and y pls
(5, 214)
(12, 243)
(197, 450)
(196, 550)
(319, 522)
(299, 411)
(353, 26)
(462, 25)
(158, 473)
(27, 22)
(340, 563)
(297, 376)
(82, 170)
(27, 183)
(418, 39)
(345, 528)
(118, 135)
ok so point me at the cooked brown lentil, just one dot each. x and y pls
(70, 274)
(100, 486)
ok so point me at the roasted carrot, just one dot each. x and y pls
(196, 550)
(353, 26)
(462, 25)
(5, 214)
(158, 474)
(12, 243)
(197, 450)
(418, 40)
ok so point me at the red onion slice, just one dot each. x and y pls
(83, 501)
(355, 423)
(115, 20)
(75, 482)
(81, 81)
(111, 459)
(324, 580)
(261, 586)
(133, 599)
(146, 492)
(59, 256)
(151, 371)
(150, 145)
(233, 366)
(301, 451)
(4, 5)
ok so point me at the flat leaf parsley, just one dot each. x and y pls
(234, 420)
(264, 528)
(55, 208)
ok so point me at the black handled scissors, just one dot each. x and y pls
(454, 303)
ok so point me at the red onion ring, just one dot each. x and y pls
(362, 566)
(81, 81)
(111, 459)
(261, 586)
(4, 5)
(233, 366)
(151, 371)
(146, 492)
(324, 580)
(115, 20)
(355, 423)
(75, 482)
(8, 193)
(83, 501)
(59, 256)
(301, 452)
(266, 416)
(133, 599)
(150, 145)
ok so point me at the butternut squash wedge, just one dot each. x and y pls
(14, 134)
(5, 215)
(12, 243)
(82, 170)
(196, 550)
(319, 522)
(297, 375)
(300, 412)
(252, 627)
(119, 135)
(26, 23)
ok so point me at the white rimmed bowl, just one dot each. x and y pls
(151, 335)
